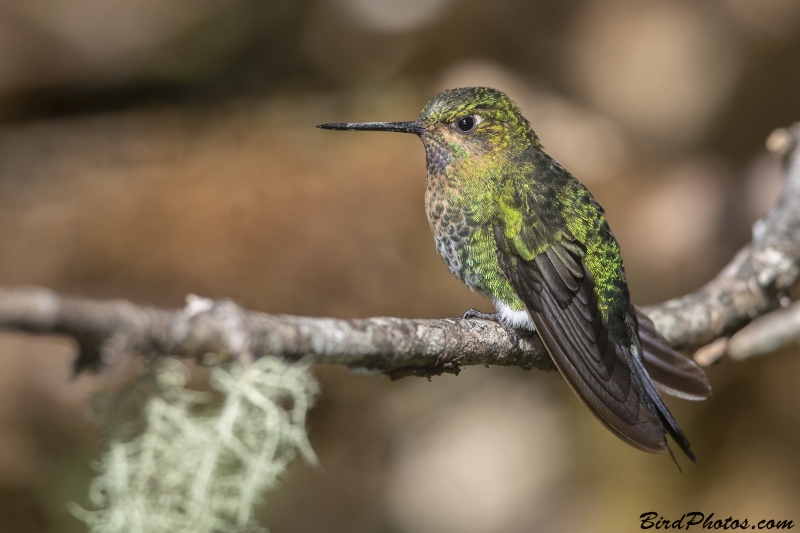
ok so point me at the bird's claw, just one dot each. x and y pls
(494, 317)
(474, 313)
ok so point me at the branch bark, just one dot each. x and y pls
(212, 331)
(755, 282)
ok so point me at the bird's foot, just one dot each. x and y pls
(494, 317)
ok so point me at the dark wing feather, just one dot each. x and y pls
(558, 290)
(672, 372)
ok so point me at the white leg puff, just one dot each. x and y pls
(515, 319)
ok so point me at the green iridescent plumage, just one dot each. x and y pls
(514, 225)
(502, 175)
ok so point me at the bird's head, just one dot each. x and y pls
(470, 122)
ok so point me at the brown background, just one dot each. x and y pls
(152, 149)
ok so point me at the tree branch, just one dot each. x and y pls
(758, 278)
(756, 281)
(215, 330)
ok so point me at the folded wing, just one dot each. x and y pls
(558, 290)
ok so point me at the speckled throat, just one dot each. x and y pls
(445, 210)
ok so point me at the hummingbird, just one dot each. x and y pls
(514, 225)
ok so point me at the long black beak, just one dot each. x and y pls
(401, 127)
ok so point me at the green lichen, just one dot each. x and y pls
(200, 465)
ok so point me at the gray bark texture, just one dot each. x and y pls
(755, 282)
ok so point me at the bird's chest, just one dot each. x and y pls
(450, 224)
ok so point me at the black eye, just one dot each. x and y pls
(466, 124)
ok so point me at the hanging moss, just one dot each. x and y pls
(199, 465)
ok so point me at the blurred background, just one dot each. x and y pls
(151, 149)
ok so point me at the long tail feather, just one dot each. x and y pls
(671, 371)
